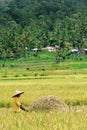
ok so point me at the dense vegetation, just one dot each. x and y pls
(25, 24)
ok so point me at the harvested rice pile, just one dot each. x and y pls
(49, 103)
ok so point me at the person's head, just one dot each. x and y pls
(17, 93)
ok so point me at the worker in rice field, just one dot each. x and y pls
(17, 106)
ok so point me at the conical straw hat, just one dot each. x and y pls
(17, 92)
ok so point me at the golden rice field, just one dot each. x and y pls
(69, 85)
(43, 120)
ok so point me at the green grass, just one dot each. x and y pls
(45, 57)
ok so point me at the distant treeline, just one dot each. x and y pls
(26, 24)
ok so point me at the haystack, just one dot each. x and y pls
(49, 103)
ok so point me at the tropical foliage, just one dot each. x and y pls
(39, 23)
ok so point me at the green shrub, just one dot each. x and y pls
(35, 74)
(16, 75)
